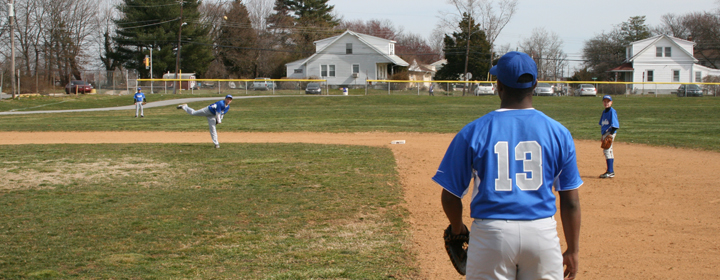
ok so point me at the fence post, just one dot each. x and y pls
(366, 86)
(418, 89)
(388, 83)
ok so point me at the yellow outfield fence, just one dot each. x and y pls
(236, 86)
(408, 87)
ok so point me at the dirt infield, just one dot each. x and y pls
(658, 219)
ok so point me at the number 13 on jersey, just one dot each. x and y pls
(530, 153)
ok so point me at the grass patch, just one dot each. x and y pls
(665, 120)
(280, 211)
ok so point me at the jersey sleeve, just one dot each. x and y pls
(455, 171)
(615, 122)
(569, 176)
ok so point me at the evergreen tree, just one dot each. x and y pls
(154, 24)
(237, 49)
(455, 50)
(305, 21)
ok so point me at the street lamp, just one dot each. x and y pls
(177, 58)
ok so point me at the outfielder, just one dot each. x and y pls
(140, 100)
(608, 128)
(515, 155)
(214, 113)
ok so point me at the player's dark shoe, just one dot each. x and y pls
(607, 175)
(181, 106)
(142, 116)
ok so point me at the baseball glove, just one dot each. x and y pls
(606, 142)
(456, 246)
(144, 103)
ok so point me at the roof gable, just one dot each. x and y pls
(655, 40)
(327, 42)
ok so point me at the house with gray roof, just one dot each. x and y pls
(663, 59)
(348, 59)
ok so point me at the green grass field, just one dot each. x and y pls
(284, 211)
(665, 120)
(253, 211)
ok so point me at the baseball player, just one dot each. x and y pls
(515, 155)
(608, 128)
(214, 113)
(140, 100)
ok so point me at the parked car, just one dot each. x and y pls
(313, 88)
(78, 87)
(689, 90)
(586, 90)
(484, 88)
(263, 84)
(544, 89)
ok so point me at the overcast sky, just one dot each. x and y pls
(574, 21)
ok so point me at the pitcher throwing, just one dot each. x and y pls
(214, 113)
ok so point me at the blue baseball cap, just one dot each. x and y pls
(511, 66)
(139, 88)
(228, 96)
(608, 97)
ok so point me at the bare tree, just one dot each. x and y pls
(68, 28)
(374, 27)
(491, 20)
(546, 48)
(258, 11)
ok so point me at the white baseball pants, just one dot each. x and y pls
(211, 118)
(139, 108)
(512, 249)
(609, 151)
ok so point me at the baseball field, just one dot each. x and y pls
(311, 188)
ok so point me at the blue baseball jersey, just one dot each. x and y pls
(139, 97)
(608, 119)
(514, 158)
(219, 107)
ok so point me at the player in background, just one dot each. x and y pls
(214, 113)
(140, 100)
(515, 155)
(608, 128)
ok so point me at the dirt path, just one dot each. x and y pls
(658, 219)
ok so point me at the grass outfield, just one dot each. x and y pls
(248, 211)
(665, 120)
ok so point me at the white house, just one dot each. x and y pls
(347, 59)
(661, 59)
(421, 72)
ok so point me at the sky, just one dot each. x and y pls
(574, 21)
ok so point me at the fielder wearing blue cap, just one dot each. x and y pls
(214, 113)
(140, 101)
(515, 156)
(609, 125)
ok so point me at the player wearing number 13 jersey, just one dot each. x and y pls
(514, 156)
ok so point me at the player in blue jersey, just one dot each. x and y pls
(214, 113)
(515, 155)
(608, 128)
(140, 100)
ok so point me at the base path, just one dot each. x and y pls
(659, 218)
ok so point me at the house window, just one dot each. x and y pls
(650, 75)
(332, 70)
(676, 75)
(348, 48)
(356, 68)
(658, 52)
(323, 70)
(298, 71)
(698, 77)
(668, 51)
(392, 49)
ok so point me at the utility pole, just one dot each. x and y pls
(177, 58)
(11, 15)
(467, 54)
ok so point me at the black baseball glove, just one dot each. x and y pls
(456, 246)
